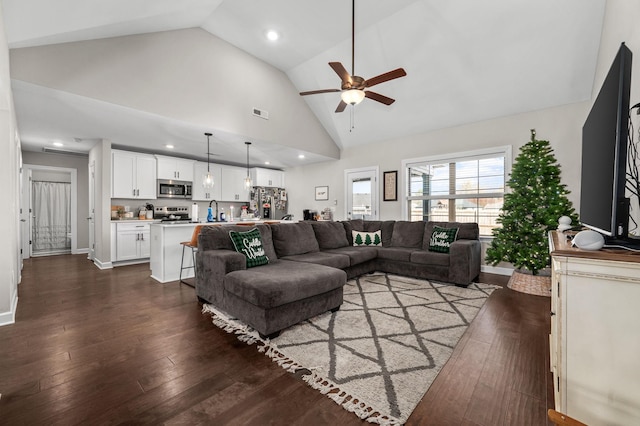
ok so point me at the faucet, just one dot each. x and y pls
(216, 216)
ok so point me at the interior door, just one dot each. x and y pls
(362, 193)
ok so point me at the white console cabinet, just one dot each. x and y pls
(595, 333)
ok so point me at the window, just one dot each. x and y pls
(464, 187)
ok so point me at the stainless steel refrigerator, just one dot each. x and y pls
(269, 203)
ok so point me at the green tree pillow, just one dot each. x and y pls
(249, 243)
(367, 238)
(441, 239)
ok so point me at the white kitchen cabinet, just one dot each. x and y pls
(132, 241)
(172, 168)
(267, 177)
(133, 175)
(199, 193)
(594, 339)
(232, 188)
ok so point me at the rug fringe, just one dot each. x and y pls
(316, 381)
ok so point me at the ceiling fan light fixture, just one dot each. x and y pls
(352, 96)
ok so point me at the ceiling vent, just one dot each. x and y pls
(261, 113)
(64, 151)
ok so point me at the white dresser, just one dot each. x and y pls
(595, 333)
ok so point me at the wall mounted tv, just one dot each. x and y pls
(603, 205)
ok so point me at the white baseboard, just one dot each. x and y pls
(7, 318)
(102, 265)
(496, 270)
(81, 251)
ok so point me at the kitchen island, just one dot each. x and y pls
(166, 250)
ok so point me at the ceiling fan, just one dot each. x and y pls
(353, 86)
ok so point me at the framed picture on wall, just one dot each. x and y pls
(390, 189)
(322, 193)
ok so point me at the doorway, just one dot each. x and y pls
(362, 193)
(49, 211)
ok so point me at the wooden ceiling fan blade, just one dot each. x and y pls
(378, 97)
(341, 106)
(341, 71)
(397, 73)
(315, 92)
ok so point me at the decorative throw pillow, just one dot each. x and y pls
(441, 239)
(249, 243)
(367, 238)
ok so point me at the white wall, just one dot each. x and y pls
(561, 126)
(188, 75)
(10, 161)
(101, 155)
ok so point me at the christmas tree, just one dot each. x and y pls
(531, 210)
(358, 240)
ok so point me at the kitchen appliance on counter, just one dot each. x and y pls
(269, 203)
(172, 214)
(174, 189)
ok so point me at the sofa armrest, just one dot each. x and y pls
(464, 263)
(211, 268)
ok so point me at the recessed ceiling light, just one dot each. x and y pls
(169, 146)
(301, 156)
(58, 144)
(267, 163)
(272, 35)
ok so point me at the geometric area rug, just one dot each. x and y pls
(378, 355)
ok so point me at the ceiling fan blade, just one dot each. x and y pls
(397, 73)
(378, 97)
(341, 106)
(315, 92)
(341, 71)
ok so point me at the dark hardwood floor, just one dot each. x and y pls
(114, 346)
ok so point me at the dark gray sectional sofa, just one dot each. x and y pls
(310, 262)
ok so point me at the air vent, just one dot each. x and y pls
(261, 113)
(65, 152)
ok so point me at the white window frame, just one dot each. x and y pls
(505, 151)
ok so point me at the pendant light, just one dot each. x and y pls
(247, 181)
(207, 179)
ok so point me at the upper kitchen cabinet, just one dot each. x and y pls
(133, 175)
(232, 188)
(200, 193)
(172, 168)
(267, 177)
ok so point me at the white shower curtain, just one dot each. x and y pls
(52, 216)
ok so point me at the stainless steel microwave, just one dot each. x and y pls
(174, 189)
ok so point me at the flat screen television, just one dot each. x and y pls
(603, 204)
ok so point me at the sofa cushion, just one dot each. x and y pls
(281, 282)
(430, 258)
(386, 228)
(249, 243)
(330, 235)
(442, 238)
(290, 239)
(361, 238)
(395, 253)
(407, 234)
(357, 255)
(334, 260)
(216, 237)
(466, 231)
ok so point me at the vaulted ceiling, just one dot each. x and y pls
(466, 60)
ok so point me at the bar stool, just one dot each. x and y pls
(193, 245)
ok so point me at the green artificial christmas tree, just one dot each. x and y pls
(532, 209)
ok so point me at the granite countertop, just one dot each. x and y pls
(134, 219)
(185, 224)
